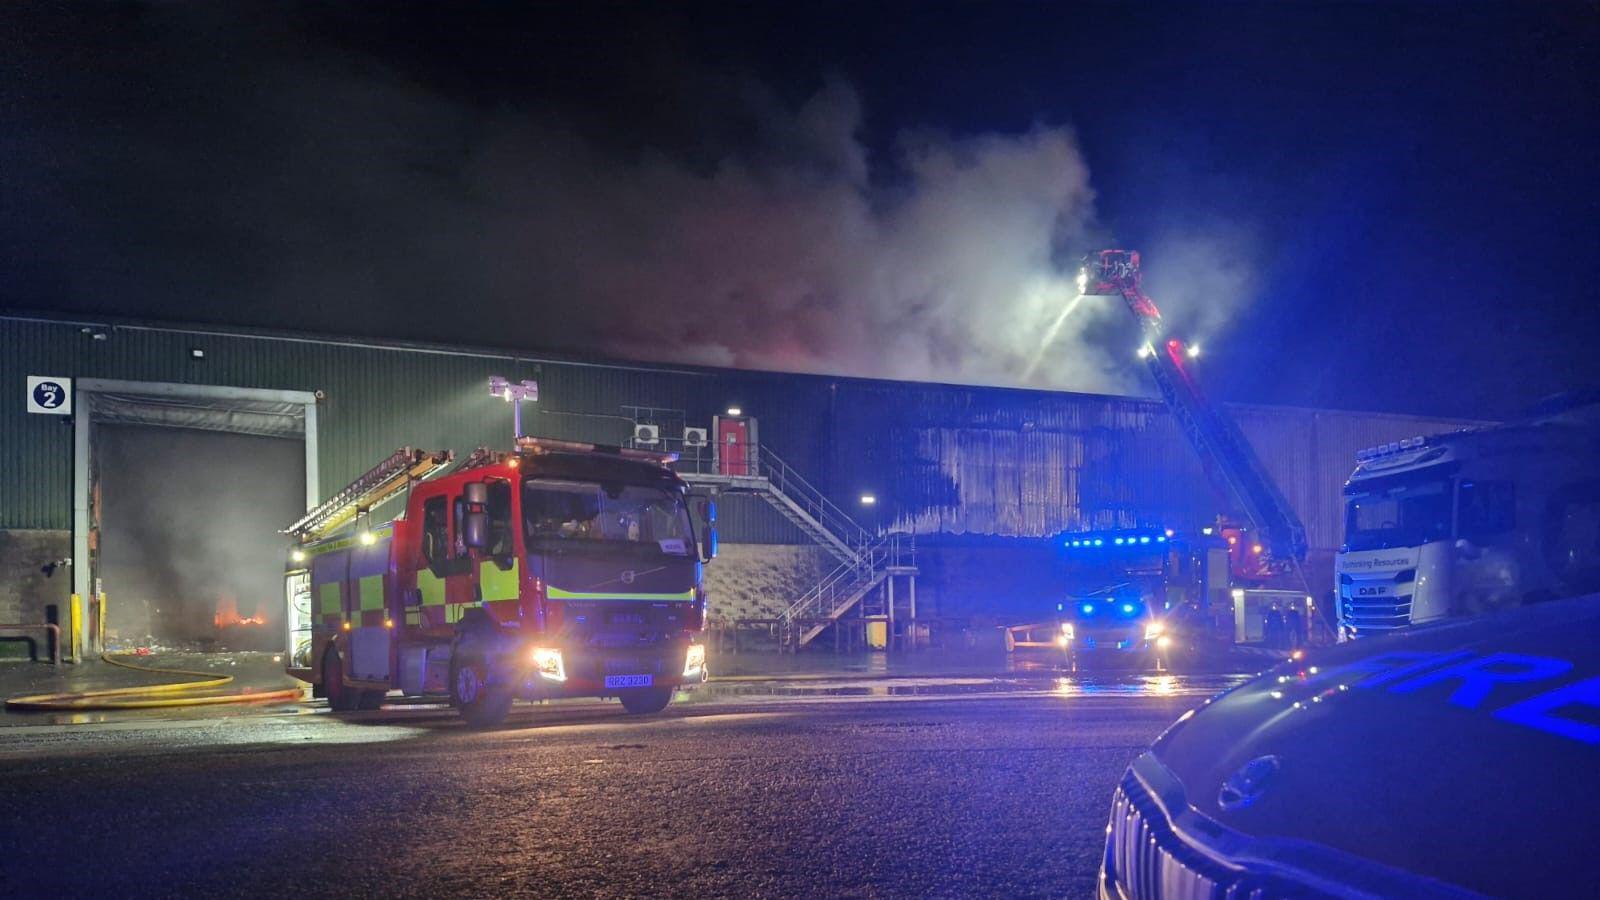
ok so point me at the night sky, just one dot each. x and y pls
(1379, 206)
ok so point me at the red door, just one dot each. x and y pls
(733, 437)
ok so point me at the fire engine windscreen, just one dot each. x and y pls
(569, 514)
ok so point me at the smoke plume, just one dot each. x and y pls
(188, 164)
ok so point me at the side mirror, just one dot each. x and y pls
(708, 544)
(475, 530)
(476, 493)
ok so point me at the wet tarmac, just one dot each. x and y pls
(792, 785)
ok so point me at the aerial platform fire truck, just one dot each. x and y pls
(557, 569)
(1259, 541)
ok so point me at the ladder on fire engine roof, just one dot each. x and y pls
(1224, 451)
(380, 483)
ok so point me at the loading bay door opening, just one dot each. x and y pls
(188, 549)
(126, 412)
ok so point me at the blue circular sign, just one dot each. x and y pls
(49, 395)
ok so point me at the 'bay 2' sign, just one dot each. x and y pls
(50, 395)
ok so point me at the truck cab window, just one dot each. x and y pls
(499, 509)
(435, 533)
(1487, 508)
(458, 549)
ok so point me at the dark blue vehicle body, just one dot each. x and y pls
(1450, 760)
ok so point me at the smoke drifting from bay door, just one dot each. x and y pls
(190, 554)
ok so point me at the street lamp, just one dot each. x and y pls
(868, 499)
(515, 394)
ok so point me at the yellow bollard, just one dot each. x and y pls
(73, 615)
(100, 626)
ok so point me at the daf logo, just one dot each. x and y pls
(1246, 786)
(1372, 591)
(627, 576)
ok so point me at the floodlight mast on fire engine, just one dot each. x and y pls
(1226, 454)
(514, 394)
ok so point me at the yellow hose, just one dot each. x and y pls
(140, 697)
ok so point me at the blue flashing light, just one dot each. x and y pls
(1088, 609)
(1144, 539)
(1127, 609)
(1118, 542)
(1099, 542)
(1161, 539)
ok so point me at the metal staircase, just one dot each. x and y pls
(795, 498)
(847, 586)
(866, 561)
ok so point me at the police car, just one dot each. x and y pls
(1446, 761)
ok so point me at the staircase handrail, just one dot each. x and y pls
(805, 495)
(893, 549)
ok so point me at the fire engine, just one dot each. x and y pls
(557, 569)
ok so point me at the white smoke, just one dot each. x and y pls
(950, 264)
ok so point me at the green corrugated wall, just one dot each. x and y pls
(378, 398)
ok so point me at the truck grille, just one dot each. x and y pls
(1376, 613)
(1146, 860)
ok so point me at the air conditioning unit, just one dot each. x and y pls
(647, 435)
(695, 437)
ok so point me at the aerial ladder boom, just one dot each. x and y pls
(1214, 435)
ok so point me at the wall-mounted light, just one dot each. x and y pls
(196, 353)
(869, 499)
(735, 411)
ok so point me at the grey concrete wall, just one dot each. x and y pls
(759, 581)
(24, 590)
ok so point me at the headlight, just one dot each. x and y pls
(694, 662)
(1153, 631)
(547, 662)
(1067, 633)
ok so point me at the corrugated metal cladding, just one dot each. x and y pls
(948, 460)
(942, 459)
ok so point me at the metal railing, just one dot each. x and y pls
(843, 585)
(783, 478)
(803, 494)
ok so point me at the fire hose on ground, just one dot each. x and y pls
(151, 696)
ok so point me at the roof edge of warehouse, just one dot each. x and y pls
(517, 356)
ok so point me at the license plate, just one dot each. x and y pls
(629, 681)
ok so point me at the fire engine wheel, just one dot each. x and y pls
(648, 700)
(481, 705)
(341, 698)
(372, 699)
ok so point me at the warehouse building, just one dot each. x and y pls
(160, 474)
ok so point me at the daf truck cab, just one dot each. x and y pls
(1471, 522)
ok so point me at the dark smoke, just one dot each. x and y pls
(194, 162)
(188, 522)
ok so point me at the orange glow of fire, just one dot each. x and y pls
(228, 616)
